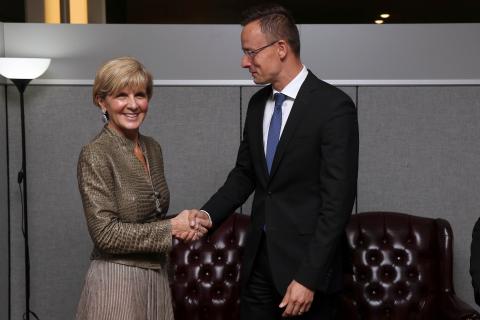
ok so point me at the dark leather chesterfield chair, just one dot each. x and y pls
(402, 269)
(206, 273)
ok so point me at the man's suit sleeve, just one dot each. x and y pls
(475, 261)
(237, 188)
(338, 179)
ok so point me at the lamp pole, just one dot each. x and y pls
(21, 85)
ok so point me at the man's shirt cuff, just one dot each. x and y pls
(208, 215)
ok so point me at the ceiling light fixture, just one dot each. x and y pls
(379, 21)
(385, 15)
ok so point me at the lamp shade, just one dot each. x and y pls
(23, 68)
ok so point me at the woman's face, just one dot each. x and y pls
(126, 109)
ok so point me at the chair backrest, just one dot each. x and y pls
(400, 265)
(206, 273)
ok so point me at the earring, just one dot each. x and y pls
(105, 116)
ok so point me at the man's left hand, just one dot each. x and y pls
(297, 300)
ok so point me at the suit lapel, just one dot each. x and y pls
(298, 112)
(258, 151)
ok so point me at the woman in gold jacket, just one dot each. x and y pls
(125, 199)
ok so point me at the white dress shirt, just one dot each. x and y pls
(291, 91)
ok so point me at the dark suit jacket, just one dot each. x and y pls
(306, 201)
(475, 261)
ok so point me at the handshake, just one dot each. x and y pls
(190, 225)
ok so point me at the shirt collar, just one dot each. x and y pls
(292, 88)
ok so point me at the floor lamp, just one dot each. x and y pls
(21, 71)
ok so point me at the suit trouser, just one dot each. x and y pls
(260, 299)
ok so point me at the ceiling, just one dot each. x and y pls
(304, 11)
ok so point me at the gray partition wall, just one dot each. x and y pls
(57, 122)
(418, 106)
(419, 153)
(4, 223)
(199, 129)
(4, 220)
(59, 242)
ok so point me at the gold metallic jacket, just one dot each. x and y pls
(119, 200)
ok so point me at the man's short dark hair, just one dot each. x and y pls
(276, 22)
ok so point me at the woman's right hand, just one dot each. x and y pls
(185, 228)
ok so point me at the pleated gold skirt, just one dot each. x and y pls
(117, 292)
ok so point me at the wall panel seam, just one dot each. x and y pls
(9, 246)
(358, 125)
(241, 128)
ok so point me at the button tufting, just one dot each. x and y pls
(206, 274)
(375, 291)
(374, 257)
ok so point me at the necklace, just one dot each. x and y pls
(156, 194)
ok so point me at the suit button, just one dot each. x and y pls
(269, 193)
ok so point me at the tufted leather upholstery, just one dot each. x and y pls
(402, 269)
(206, 273)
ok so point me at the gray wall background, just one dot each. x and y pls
(3, 198)
(418, 140)
(3, 209)
(419, 153)
(343, 53)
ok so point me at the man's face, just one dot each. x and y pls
(264, 65)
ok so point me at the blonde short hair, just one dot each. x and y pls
(119, 73)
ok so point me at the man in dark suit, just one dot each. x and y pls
(299, 154)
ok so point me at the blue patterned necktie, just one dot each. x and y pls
(274, 129)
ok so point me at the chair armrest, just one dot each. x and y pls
(455, 309)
